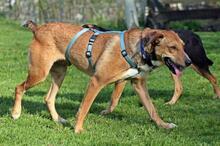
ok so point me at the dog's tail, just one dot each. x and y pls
(30, 25)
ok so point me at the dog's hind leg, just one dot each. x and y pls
(140, 87)
(119, 87)
(93, 89)
(39, 67)
(32, 80)
(178, 89)
(57, 72)
(212, 79)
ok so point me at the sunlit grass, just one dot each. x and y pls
(196, 114)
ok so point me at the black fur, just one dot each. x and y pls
(194, 49)
(93, 26)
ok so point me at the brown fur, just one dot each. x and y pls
(200, 63)
(47, 55)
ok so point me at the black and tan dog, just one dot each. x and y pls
(200, 63)
(47, 55)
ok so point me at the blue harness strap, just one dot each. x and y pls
(124, 52)
(67, 53)
(89, 47)
(91, 42)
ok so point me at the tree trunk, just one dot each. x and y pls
(131, 18)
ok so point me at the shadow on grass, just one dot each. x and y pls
(71, 102)
(67, 108)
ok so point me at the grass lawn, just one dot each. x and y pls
(196, 114)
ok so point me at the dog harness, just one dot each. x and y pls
(91, 42)
(147, 57)
(74, 39)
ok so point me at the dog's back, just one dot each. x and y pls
(194, 48)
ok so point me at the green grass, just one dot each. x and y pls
(196, 114)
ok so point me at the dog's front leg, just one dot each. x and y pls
(92, 90)
(178, 89)
(140, 87)
(119, 87)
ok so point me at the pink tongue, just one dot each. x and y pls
(178, 72)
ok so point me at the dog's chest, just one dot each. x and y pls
(135, 72)
(142, 70)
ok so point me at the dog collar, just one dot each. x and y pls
(147, 57)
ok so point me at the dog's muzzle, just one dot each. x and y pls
(173, 67)
(188, 61)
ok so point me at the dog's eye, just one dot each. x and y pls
(173, 47)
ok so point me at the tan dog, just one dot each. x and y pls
(199, 62)
(47, 55)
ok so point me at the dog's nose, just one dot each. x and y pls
(188, 62)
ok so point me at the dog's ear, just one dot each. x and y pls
(151, 38)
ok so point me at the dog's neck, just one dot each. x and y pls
(133, 43)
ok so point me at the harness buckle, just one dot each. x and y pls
(91, 40)
(88, 54)
(93, 37)
(124, 53)
(90, 43)
(93, 30)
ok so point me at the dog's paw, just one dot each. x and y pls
(62, 120)
(216, 97)
(105, 112)
(78, 130)
(168, 125)
(171, 125)
(15, 115)
(171, 102)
